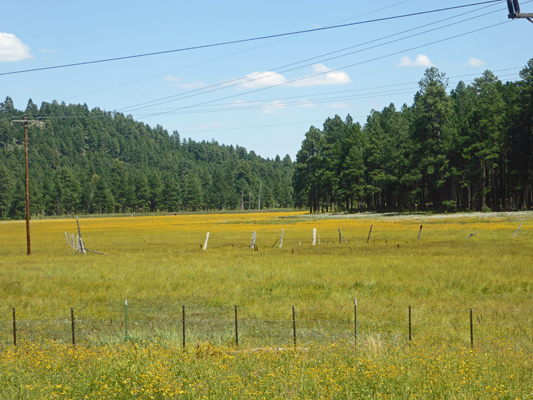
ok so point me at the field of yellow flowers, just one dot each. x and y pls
(463, 267)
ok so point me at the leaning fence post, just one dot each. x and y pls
(517, 229)
(206, 239)
(183, 324)
(72, 320)
(294, 326)
(126, 320)
(236, 328)
(471, 330)
(340, 236)
(14, 328)
(355, 321)
(419, 233)
(369, 233)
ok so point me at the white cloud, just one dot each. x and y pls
(262, 79)
(327, 77)
(420, 61)
(274, 106)
(321, 75)
(305, 104)
(12, 49)
(50, 51)
(474, 62)
(170, 78)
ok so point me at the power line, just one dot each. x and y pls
(337, 69)
(391, 92)
(299, 103)
(239, 81)
(224, 56)
(248, 40)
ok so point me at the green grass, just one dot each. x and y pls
(158, 265)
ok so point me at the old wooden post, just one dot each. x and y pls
(314, 236)
(340, 236)
(517, 229)
(206, 239)
(81, 245)
(252, 244)
(281, 239)
(419, 233)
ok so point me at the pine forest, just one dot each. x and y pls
(454, 149)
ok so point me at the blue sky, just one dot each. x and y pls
(268, 92)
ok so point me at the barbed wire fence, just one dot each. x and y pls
(242, 326)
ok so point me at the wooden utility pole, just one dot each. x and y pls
(514, 11)
(27, 186)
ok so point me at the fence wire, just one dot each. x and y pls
(247, 326)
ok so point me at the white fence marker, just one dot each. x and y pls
(281, 240)
(314, 236)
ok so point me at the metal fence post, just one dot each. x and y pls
(355, 321)
(236, 328)
(126, 320)
(14, 328)
(294, 326)
(409, 325)
(72, 320)
(183, 324)
(471, 330)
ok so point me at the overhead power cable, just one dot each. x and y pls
(333, 70)
(262, 104)
(345, 94)
(224, 56)
(283, 69)
(249, 39)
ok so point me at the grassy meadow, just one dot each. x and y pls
(158, 265)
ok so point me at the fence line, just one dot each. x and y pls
(197, 323)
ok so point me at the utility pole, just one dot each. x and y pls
(514, 11)
(27, 186)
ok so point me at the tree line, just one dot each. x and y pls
(91, 161)
(469, 149)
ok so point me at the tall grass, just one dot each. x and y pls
(158, 265)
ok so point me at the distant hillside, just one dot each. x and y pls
(93, 161)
